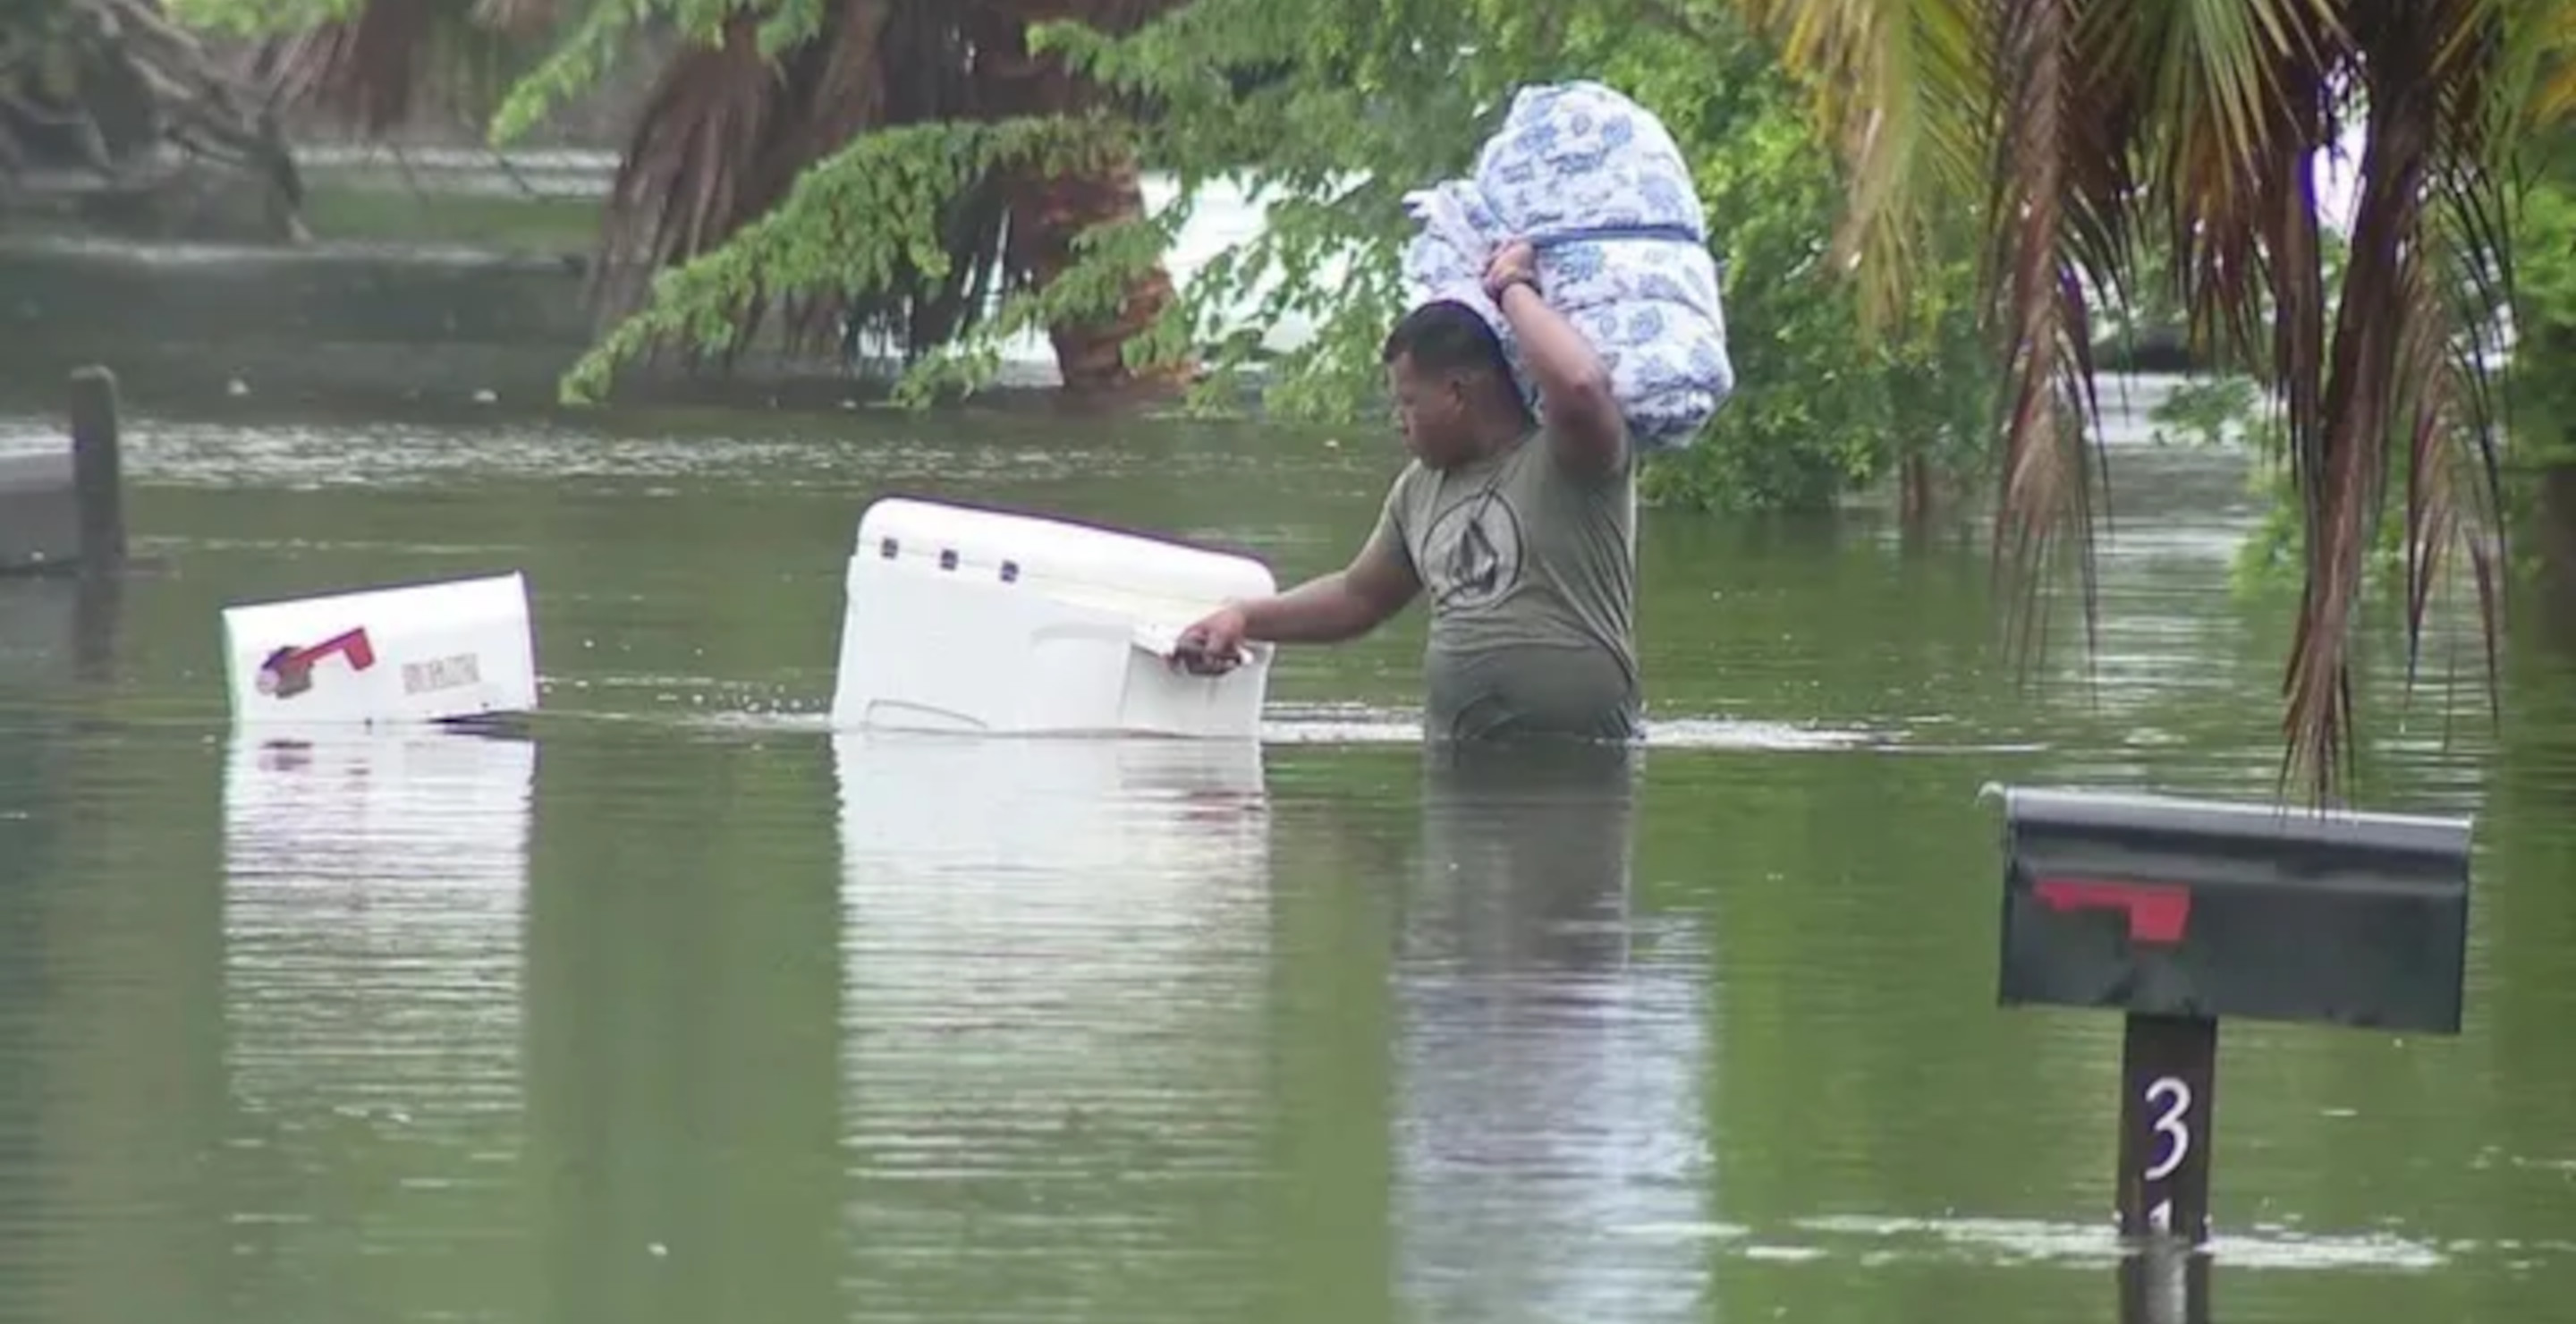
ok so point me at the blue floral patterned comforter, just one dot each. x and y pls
(1595, 183)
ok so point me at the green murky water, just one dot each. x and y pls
(690, 1010)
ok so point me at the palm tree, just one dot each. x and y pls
(2083, 130)
(726, 129)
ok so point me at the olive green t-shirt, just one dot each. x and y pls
(1529, 572)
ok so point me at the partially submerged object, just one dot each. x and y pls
(419, 653)
(62, 507)
(974, 620)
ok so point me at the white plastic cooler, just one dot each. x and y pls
(969, 620)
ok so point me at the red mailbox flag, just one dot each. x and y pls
(289, 671)
(2158, 913)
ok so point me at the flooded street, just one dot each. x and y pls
(685, 1008)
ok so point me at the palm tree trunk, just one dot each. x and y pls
(1914, 478)
(1046, 214)
(1048, 211)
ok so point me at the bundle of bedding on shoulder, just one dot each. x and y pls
(1596, 185)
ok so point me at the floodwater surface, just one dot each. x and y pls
(682, 1007)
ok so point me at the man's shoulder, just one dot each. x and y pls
(1412, 482)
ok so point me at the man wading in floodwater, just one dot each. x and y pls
(1524, 533)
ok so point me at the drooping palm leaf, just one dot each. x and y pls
(2429, 259)
(2040, 307)
(1903, 86)
(2105, 122)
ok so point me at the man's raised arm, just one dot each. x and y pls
(1573, 383)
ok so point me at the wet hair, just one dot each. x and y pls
(1446, 336)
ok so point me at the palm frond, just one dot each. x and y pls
(1904, 88)
(2195, 123)
(2430, 253)
(2046, 504)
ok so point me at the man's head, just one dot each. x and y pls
(1453, 391)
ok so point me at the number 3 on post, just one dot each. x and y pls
(2164, 1133)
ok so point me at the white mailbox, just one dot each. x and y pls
(419, 653)
(967, 620)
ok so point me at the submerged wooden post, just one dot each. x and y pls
(98, 469)
(64, 508)
(2165, 1284)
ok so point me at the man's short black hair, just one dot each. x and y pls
(1446, 336)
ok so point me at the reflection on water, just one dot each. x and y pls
(1005, 895)
(57, 628)
(1057, 956)
(374, 888)
(1551, 1050)
(1997, 1240)
(374, 891)
(1359, 724)
(2168, 1284)
(1287, 724)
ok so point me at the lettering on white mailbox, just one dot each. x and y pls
(442, 673)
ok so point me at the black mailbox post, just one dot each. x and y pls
(2181, 912)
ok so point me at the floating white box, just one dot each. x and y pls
(419, 653)
(967, 620)
(375, 902)
(1033, 926)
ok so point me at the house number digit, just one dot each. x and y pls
(2174, 1097)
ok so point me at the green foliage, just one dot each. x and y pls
(1817, 411)
(2542, 391)
(1327, 112)
(1375, 101)
(253, 18)
(2539, 389)
(868, 212)
(580, 58)
(1362, 101)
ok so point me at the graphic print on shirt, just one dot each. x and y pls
(1473, 553)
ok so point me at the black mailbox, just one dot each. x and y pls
(2181, 908)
